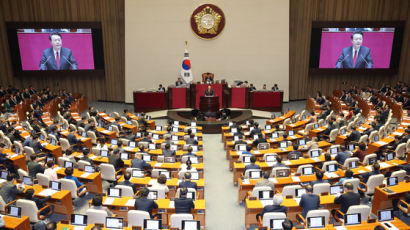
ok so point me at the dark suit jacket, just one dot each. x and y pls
(128, 183)
(273, 208)
(188, 184)
(347, 200)
(184, 205)
(346, 59)
(251, 166)
(8, 191)
(72, 139)
(48, 61)
(341, 157)
(309, 202)
(209, 92)
(34, 168)
(37, 147)
(144, 204)
(139, 163)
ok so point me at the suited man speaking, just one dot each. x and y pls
(355, 56)
(57, 57)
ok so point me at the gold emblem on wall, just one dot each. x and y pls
(207, 21)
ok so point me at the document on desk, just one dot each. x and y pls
(152, 182)
(79, 227)
(271, 163)
(397, 133)
(384, 165)
(331, 174)
(85, 175)
(362, 171)
(287, 162)
(130, 202)
(369, 167)
(266, 202)
(340, 228)
(297, 199)
(14, 155)
(256, 152)
(245, 181)
(381, 143)
(158, 165)
(128, 148)
(172, 204)
(47, 192)
(296, 179)
(392, 227)
(108, 201)
(93, 157)
(316, 159)
(57, 168)
(105, 131)
(273, 180)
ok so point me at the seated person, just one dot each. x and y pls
(342, 155)
(190, 153)
(361, 152)
(167, 152)
(69, 175)
(40, 202)
(126, 182)
(287, 224)
(183, 204)
(348, 175)
(9, 190)
(376, 171)
(355, 135)
(145, 204)
(239, 141)
(191, 140)
(347, 199)
(187, 183)
(279, 163)
(50, 171)
(248, 150)
(276, 207)
(259, 140)
(161, 183)
(252, 165)
(96, 204)
(34, 167)
(138, 162)
(295, 154)
(319, 178)
(266, 182)
(85, 157)
(309, 201)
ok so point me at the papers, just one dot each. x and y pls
(93, 157)
(14, 155)
(158, 165)
(397, 133)
(245, 181)
(384, 165)
(57, 168)
(256, 152)
(152, 182)
(79, 227)
(171, 204)
(287, 162)
(297, 200)
(316, 159)
(85, 175)
(362, 171)
(266, 202)
(270, 163)
(108, 201)
(105, 131)
(340, 228)
(47, 192)
(381, 143)
(130, 202)
(296, 179)
(273, 180)
(392, 227)
(369, 167)
(128, 149)
(283, 149)
(331, 175)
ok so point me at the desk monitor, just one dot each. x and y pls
(78, 219)
(49, 159)
(195, 148)
(155, 136)
(193, 124)
(63, 127)
(114, 142)
(265, 195)
(129, 122)
(314, 153)
(276, 224)
(353, 219)
(282, 173)
(42, 137)
(153, 195)
(372, 160)
(333, 150)
(100, 124)
(275, 135)
(4, 174)
(343, 131)
(190, 195)
(148, 117)
(14, 211)
(110, 128)
(268, 127)
(175, 129)
(174, 147)
(303, 117)
(247, 123)
(174, 138)
(246, 159)
(103, 153)
(302, 142)
(336, 189)
(242, 147)
(353, 164)
(114, 192)
(124, 156)
(376, 137)
(283, 144)
(316, 126)
(191, 225)
(151, 224)
(158, 128)
(390, 156)
(68, 164)
(132, 144)
(84, 134)
(255, 137)
(270, 158)
(193, 131)
(27, 180)
(151, 146)
(350, 147)
(138, 173)
(331, 168)
(255, 174)
(89, 169)
(194, 176)
(299, 192)
(53, 142)
(236, 138)
(251, 128)
(230, 123)
(166, 173)
(169, 160)
(176, 123)
(114, 222)
(138, 134)
(324, 123)
(291, 133)
(316, 222)
(55, 185)
(147, 158)
(307, 171)
(234, 130)
(194, 160)
(392, 181)
(385, 215)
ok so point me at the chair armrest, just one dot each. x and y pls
(260, 221)
(300, 219)
(318, 169)
(5, 207)
(363, 190)
(336, 217)
(403, 203)
(44, 216)
(341, 165)
(83, 192)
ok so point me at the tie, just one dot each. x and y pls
(354, 58)
(58, 60)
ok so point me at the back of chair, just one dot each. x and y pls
(256, 190)
(290, 190)
(21, 173)
(354, 181)
(321, 188)
(248, 172)
(349, 160)
(301, 167)
(319, 213)
(367, 157)
(125, 190)
(272, 215)
(43, 180)
(96, 216)
(107, 172)
(401, 150)
(61, 161)
(64, 144)
(28, 208)
(333, 135)
(28, 152)
(325, 164)
(401, 174)
(176, 219)
(93, 137)
(2, 205)
(373, 182)
(82, 164)
(136, 218)
(363, 139)
(364, 210)
(373, 135)
(67, 184)
(160, 191)
(263, 146)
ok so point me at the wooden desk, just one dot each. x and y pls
(91, 181)
(382, 199)
(280, 119)
(61, 226)
(15, 223)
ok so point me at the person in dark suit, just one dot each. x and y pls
(85, 157)
(354, 135)
(259, 140)
(139, 163)
(276, 207)
(9, 190)
(376, 171)
(72, 139)
(319, 178)
(57, 57)
(183, 204)
(127, 177)
(187, 183)
(179, 82)
(355, 56)
(167, 152)
(34, 167)
(252, 165)
(191, 140)
(256, 129)
(40, 202)
(342, 155)
(209, 92)
(295, 154)
(347, 199)
(145, 204)
(309, 201)
(35, 144)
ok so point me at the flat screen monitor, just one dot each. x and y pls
(79, 220)
(282, 173)
(89, 169)
(195, 148)
(53, 142)
(283, 144)
(242, 147)
(314, 153)
(299, 192)
(27, 180)
(166, 173)
(390, 156)
(376, 137)
(110, 128)
(194, 176)
(125, 156)
(138, 173)
(193, 131)
(147, 158)
(191, 225)
(350, 147)
(14, 211)
(353, 219)
(392, 181)
(114, 142)
(302, 142)
(138, 134)
(152, 146)
(114, 222)
(104, 153)
(236, 138)
(324, 123)
(268, 127)
(265, 195)
(84, 134)
(255, 174)
(234, 130)
(255, 137)
(333, 150)
(132, 144)
(55, 185)
(385, 215)
(194, 160)
(246, 159)
(276, 224)
(372, 160)
(291, 133)
(316, 222)
(158, 128)
(176, 123)
(190, 195)
(175, 129)
(193, 124)
(49, 159)
(307, 171)
(68, 164)
(270, 158)
(331, 167)
(114, 192)
(174, 138)
(353, 164)
(336, 189)
(316, 126)
(152, 224)
(343, 131)
(153, 195)
(4, 174)
(230, 124)
(155, 136)
(275, 135)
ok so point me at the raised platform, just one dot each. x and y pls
(185, 117)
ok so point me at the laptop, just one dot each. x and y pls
(389, 156)
(316, 222)
(158, 128)
(169, 160)
(166, 173)
(53, 142)
(333, 150)
(314, 153)
(153, 195)
(103, 153)
(114, 142)
(176, 123)
(55, 185)
(89, 169)
(193, 124)
(385, 215)
(4, 174)
(175, 129)
(78, 219)
(194, 176)
(276, 224)
(392, 181)
(191, 225)
(275, 135)
(291, 133)
(331, 168)
(14, 211)
(283, 144)
(268, 127)
(68, 164)
(265, 195)
(114, 192)
(353, 219)
(246, 159)
(353, 164)
(147, 158)
(138, 173)
(114, 222)
(302, 142)
(336, 189)
(151, 146)
(299, 192)
(132, 144)
(151, 224)
(307, 171)
(282, 173)
(124, 156)
(27, 180)
(255, 174)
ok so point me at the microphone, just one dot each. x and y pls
(345, 57)
(47, 60)
(68, 61)
(364, 59)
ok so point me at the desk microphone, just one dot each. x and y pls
(47, 60)
(68, 61)
(364, 59)
(345, 57)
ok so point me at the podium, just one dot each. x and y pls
(209, 104)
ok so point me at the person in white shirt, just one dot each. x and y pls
(50, 172)
(161, 183)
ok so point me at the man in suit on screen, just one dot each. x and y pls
(355, 56)
(57, 57)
